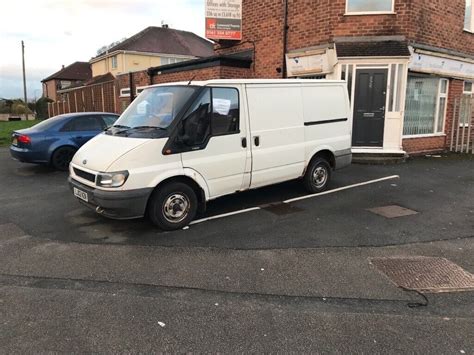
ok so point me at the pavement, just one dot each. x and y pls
(294, 277)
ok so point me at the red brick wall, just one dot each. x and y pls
(313, 22)
(142, 78)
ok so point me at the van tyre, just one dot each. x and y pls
(62, 157)
(173, 206)
(317, 176)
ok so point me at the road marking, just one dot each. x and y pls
(296, 199)
(342, 188)
(225, 215)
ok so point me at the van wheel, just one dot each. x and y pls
(173, 206)
(62, 157)
(317, 175)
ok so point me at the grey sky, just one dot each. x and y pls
(58, 32)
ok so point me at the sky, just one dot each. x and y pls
(60, 32)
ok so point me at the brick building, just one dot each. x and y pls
(407, 63)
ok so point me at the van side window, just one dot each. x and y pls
(225, 111)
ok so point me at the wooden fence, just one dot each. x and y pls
(91, 98)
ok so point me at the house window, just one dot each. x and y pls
(369, 6)
(468, 87)
(425, 108)
(465, 109)
(469, 16)
(125, 92)
(346, 74)
(114, 62)
(396, 82)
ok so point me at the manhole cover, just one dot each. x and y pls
(425, 274)
(393, 211)
(281, 209)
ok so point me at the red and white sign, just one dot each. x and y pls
(224, 19)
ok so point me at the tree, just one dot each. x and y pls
(104, 49)
(42, 107)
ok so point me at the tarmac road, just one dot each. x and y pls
(292, 278)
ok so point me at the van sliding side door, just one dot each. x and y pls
(277, 132)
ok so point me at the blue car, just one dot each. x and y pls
(56, 140)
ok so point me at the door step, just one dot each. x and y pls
(378, 158)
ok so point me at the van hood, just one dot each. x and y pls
(103, 150)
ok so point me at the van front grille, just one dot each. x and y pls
(84, 174)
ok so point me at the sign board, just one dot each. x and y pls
(425, 63)
(311, 63)
(224, 19)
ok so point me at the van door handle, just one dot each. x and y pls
(244, 142)
(256, 140)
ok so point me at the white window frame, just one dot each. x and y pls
(468, 93)
(139, 89)
(125, 92)
(392, 12)
(472, 87)
(436, 118)
(440, 96)
(114, 61)
(471, 30)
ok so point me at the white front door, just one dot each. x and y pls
(216, 132)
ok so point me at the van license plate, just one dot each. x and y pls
(81, 194)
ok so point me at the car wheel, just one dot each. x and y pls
(173, 206)
(317, 175)
(62, 157)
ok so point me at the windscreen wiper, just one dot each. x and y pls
(124, 129)
(149, 127)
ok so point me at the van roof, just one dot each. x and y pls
(252, 81)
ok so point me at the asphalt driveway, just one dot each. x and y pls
(287, 277)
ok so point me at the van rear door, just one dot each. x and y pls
(277, 132)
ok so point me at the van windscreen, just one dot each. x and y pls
(156, 107)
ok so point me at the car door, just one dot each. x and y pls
(82, 128)
(215, 133)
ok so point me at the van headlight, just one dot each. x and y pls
(112, 179)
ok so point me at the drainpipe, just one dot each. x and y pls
(285, 38)
(132, 93)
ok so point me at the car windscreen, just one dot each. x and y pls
(155, 108)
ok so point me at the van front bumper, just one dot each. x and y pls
(128, 204)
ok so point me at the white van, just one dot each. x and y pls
(180, 145)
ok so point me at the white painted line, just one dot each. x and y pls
(225, 215)
(295, 199)
(342, 189)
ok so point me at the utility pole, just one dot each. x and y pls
(24, 77)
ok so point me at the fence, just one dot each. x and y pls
(462, 140)
(97, 97)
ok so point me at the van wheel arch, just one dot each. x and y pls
(200, 194)
(326, 155)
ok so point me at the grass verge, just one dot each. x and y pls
(6, 129)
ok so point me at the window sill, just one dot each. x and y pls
(370, 13)
(432, 135)
(468, 31)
